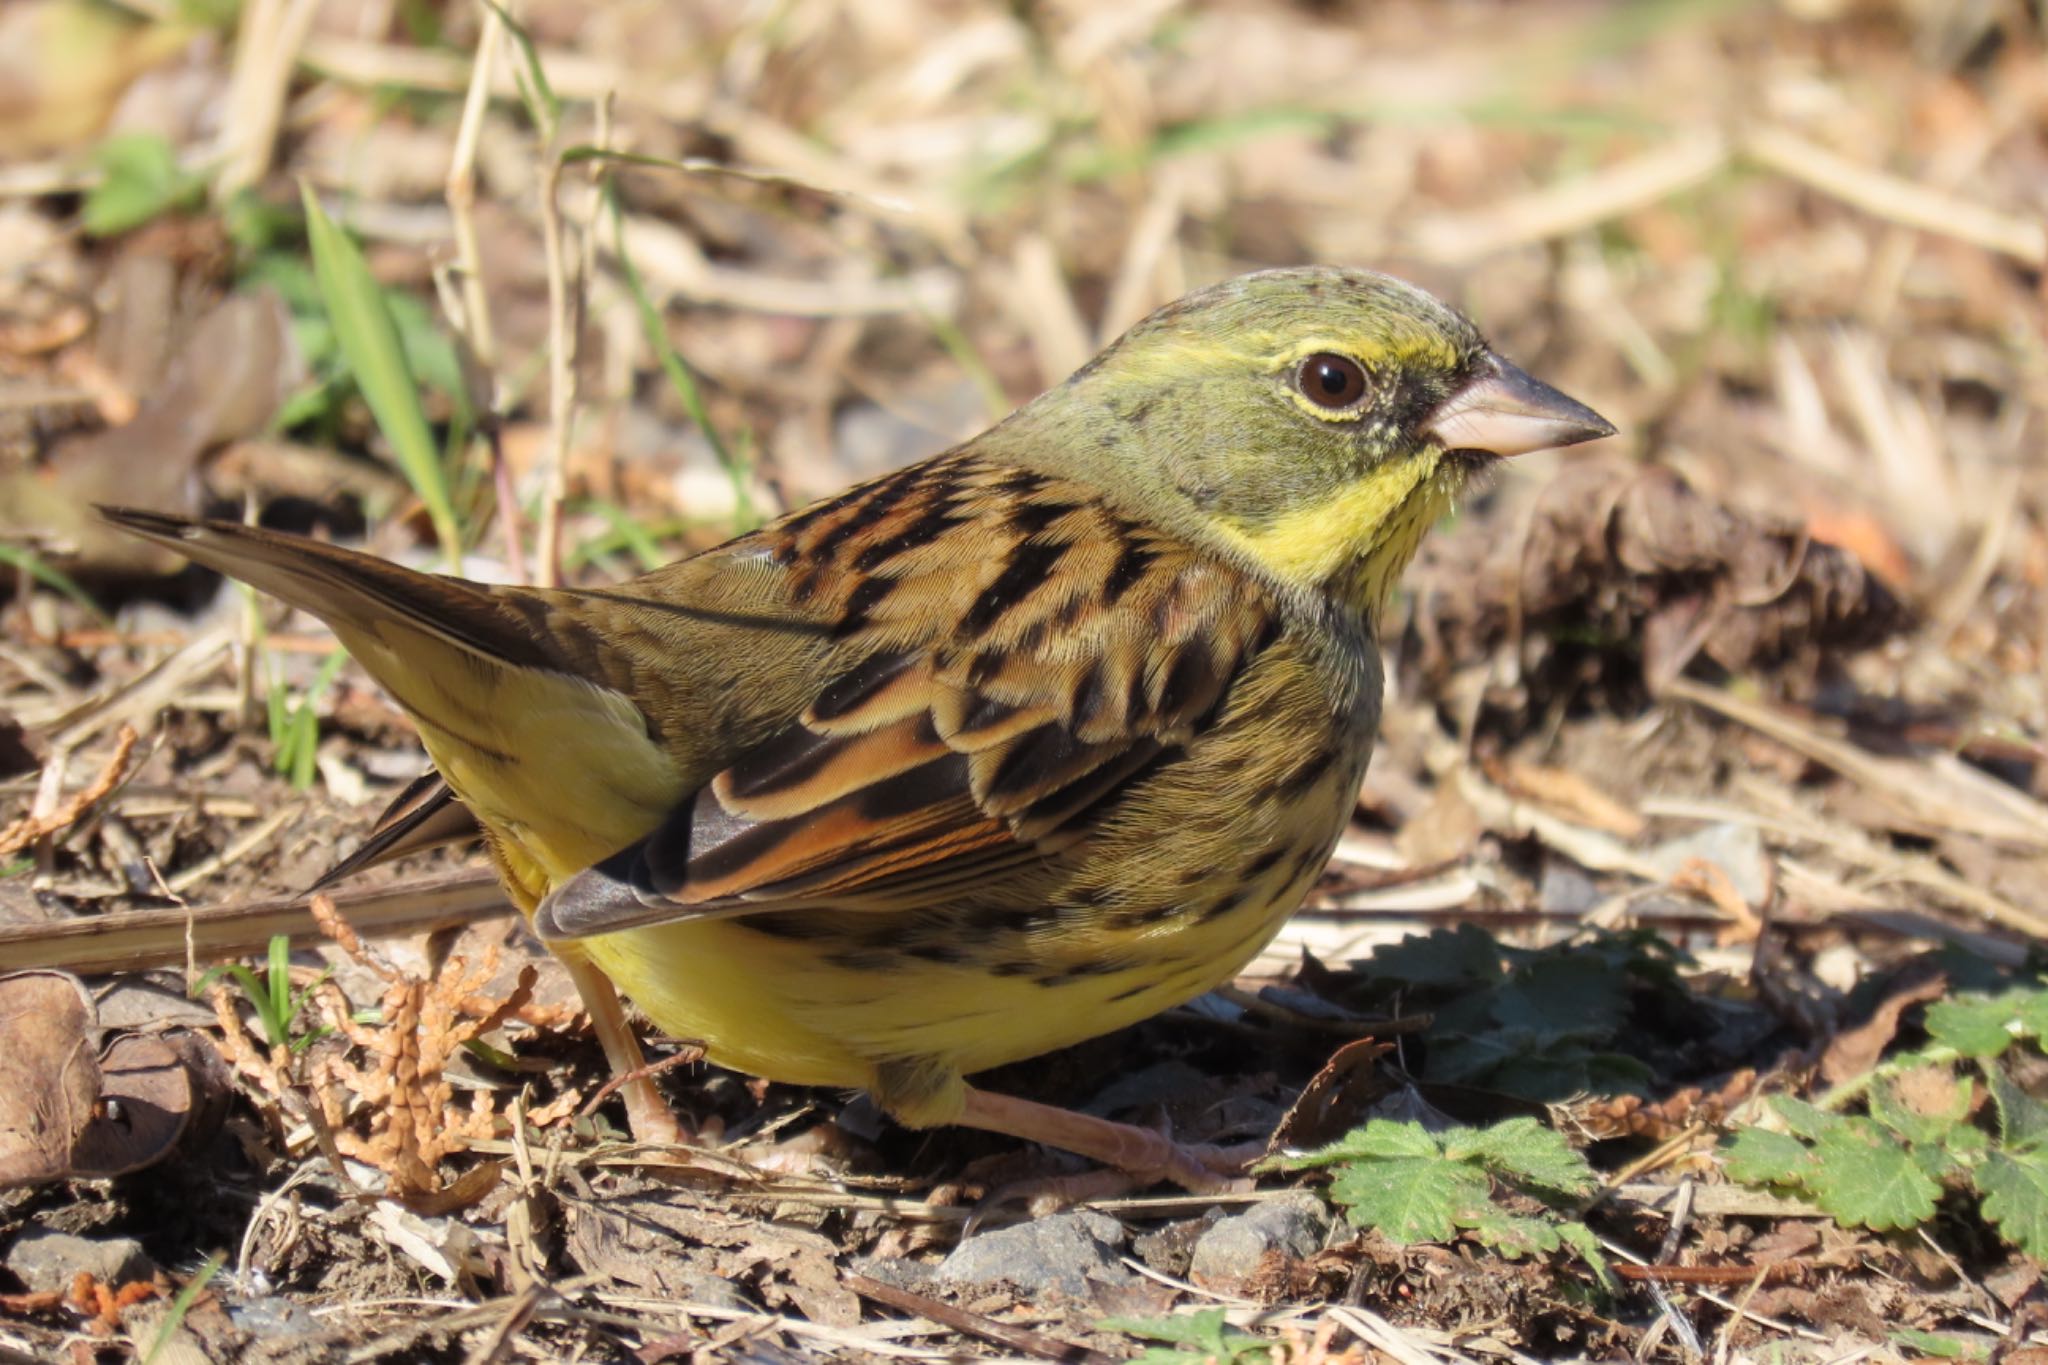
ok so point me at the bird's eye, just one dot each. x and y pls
(1331, 381)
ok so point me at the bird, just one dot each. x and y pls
(978, 759)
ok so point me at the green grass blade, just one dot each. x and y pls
(542, 104)
(14, 557)
(182, 1305)
(680, 376)
(368, 336)
(280, 983)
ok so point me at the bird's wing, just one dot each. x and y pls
(427, 814)
(1035, 655)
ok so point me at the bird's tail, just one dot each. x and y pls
(528, 739)
(360, 596)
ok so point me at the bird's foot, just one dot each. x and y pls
(1139, 1154)
(651, 1119)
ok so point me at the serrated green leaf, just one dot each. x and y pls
(1524, 1151)
(369, 340)
(1512, 1235)
(1443, 957)
(2015, 1190)
(1567, 995)
(1804, 1119)
(1580, 1239)
(1915, 1127)
(1377, 1140)
(1865, 1177)
(1973, 1025)
(1937, 1160)
(1411, 1199)
(1758, 1156)
(2022, 1119)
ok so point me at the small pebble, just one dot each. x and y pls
(1230, 1253)
(1057, 1255)
(48, 1261)
(272, 1317)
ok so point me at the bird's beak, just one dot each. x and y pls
(1505, 412)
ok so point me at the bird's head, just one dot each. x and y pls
(1312, 422)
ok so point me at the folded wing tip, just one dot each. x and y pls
(597, 900)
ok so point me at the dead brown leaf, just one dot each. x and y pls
(49, 1077)
(1854, 1051)
(71, 1106)
(1336, 1097)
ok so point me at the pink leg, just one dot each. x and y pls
(647, 1113)
(1139, 1151)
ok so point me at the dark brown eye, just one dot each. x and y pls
(1331, 381)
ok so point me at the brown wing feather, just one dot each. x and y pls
(1033, 652)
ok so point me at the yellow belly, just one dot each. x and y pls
(780, 1008)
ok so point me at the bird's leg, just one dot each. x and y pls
(648, 1115)
(1139, 1151)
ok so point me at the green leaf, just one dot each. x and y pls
(1865, 1178)
(1513, 1235)
(253, 991)
(2015, 1190)
(1915, 1127)
(1572, 995)
(1410, 1199)
(1804, 1119)
(1974, 1025)
(2022, 1119)
(1758, 1156)
(1206, 1335)
(369, 340)
(1580, 1239)
(279, 982)
(1524, 1151)
(1930, 1343)
(2033, 1013)
(142, 179)
(1443, 957)
(1378, 1140)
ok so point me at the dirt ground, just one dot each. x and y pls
(1711, 802)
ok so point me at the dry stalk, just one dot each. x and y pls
(460, 192)
(40, 825)
(468, 305)
(562, 337)
(266, 54)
